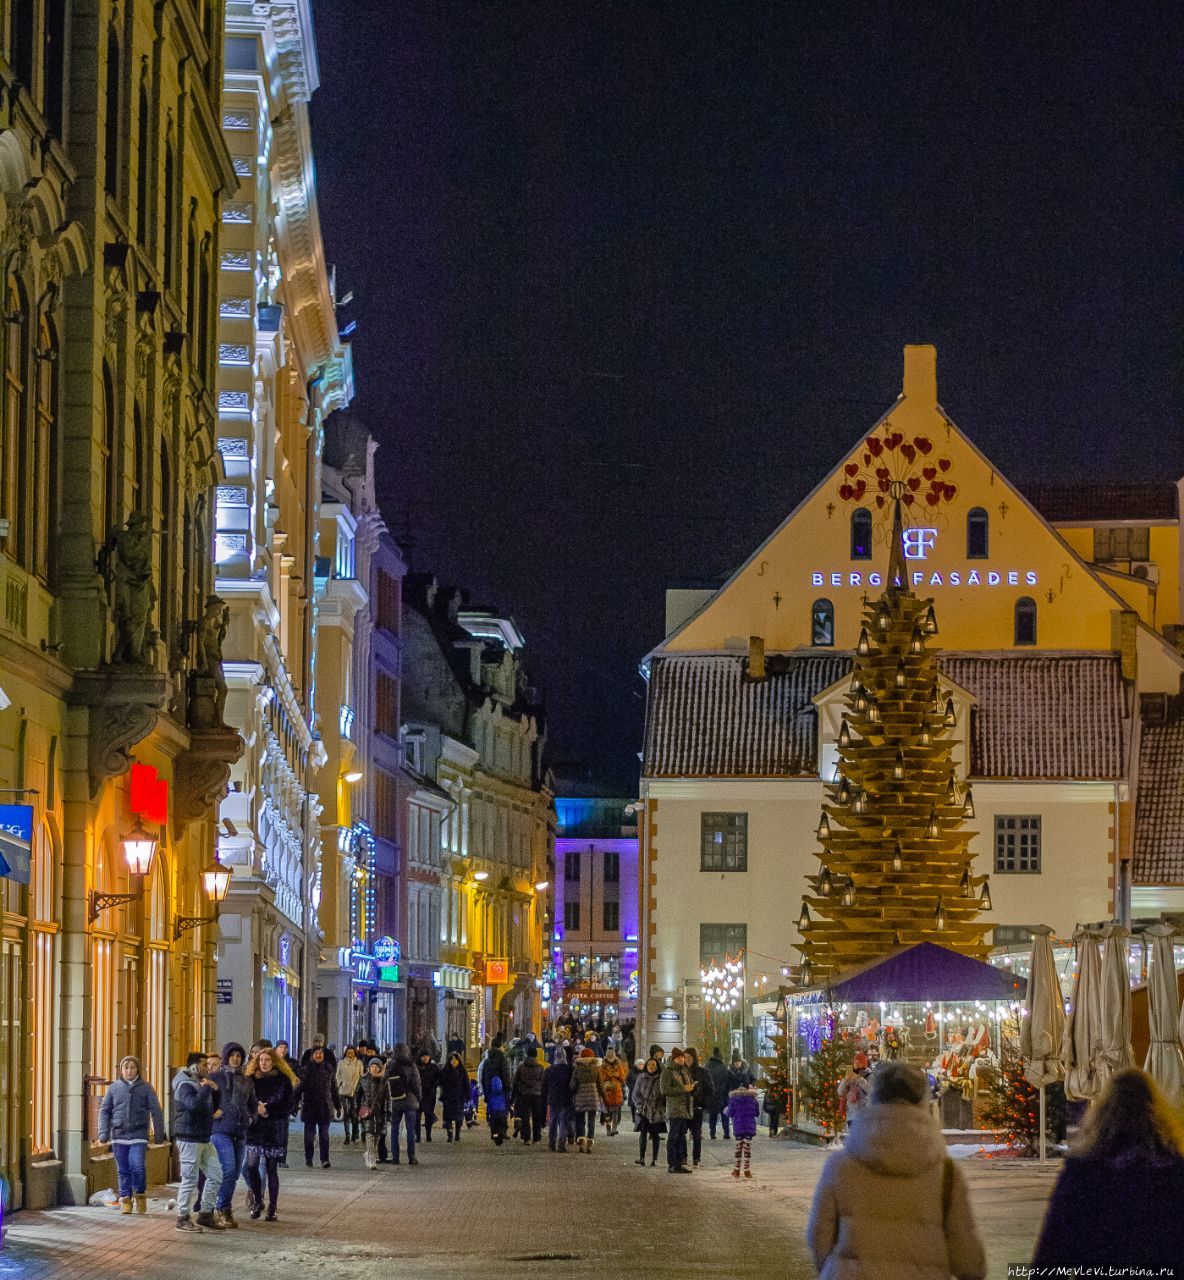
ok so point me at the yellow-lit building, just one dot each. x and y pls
(1060, 656)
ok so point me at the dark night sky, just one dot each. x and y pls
(629, 277)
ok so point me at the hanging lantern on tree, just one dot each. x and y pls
(844, 734)
(898, 766)
(864, 647)
(968, 804)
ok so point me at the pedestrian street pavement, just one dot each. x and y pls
(467, 1208)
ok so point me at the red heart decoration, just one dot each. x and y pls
(951, 489)
(914, 483)
(860, 488)
(929, 472)
(944, 463)
(933, 499)
(882, 473)
(908, 498)
(890, 442)
(845, 492)
(875, 446)
(879, 500)
(908, 451)
(924, 445)
(884, 484)
(867, 459)
(852, 468)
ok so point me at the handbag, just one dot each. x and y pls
(364, 1112)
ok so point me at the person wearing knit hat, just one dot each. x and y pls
(587, 1095)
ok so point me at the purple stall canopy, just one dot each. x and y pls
(927, 972)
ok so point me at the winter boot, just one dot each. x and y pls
(125, 1204)
(186, 1223)
(206, 1220)
(269, 1216)
(226, 1217)
(141, 1203)
(589, 1143)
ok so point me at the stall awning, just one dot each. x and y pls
(926, 972)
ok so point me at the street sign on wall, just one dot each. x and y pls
(226, 991)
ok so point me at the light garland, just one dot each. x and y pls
(723, 985)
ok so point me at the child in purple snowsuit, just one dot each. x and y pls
(743, 1111)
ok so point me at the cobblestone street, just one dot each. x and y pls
(464, 1211)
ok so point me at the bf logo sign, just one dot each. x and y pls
(917, 542)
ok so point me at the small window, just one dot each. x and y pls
(861, 534)
(1017, 844)
(612, 868)
(571, 867)
(571, 915)
(978, 536)
(612, 917)
(720, 942)
(724, 842)
(822, 623)
(1122, 543)
(1025, 620)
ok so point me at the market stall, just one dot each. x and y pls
(927, 1005)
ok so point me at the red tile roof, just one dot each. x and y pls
(1159, 805)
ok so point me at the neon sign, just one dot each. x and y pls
(916, 542)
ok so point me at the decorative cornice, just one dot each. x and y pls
(201, 775)
(124, 707)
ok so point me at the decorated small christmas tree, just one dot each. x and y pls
(819, 1087)
(1012, 1105)
(896, 868)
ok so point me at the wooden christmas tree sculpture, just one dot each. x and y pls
(895, 865)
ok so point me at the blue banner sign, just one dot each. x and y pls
(16, 838)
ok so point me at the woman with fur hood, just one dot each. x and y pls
(128, 1105)
(373, 1108)
(275, 1087)
(892, 1203)
(651, 1108)
(587, 1095)
(612, 1088)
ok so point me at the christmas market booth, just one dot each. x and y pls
(949, 1014)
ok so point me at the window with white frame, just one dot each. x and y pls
(1017, 844)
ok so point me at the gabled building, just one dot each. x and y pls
(1061, 667)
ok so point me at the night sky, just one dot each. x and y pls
(630, 277)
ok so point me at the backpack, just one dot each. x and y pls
(495, 1101)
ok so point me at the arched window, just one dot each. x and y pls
(191, 285)
(112, 462)
(45, 449)
(17, 454)
(170, 215)
(861, 534)
(54, 93)
(165, 611)
(24, 41)
(978, 536)
(144, 213)
(822, 623)
(203, 313)
(113, 123)
(1025, 620)
(140, 495)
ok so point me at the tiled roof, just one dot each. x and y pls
(1037, 716)
(1150, 501)
(704, 719)
(1042, 715)
(1159, 808)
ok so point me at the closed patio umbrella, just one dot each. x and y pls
(1165, 1061)
(1043, 1030)
(1117, 1053)
(1081, 1046)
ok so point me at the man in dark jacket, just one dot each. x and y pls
(236, 1109)
(429, 1080)
(320, 1103)
(717, 1107)
(700, 1101)
(496, 1063)
(740, 1075)
(556, 1092)
(527, 1096)
(678, 1089)
(406, 1089)
(195, 1099)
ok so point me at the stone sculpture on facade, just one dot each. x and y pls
(125, 562)
(208, 698)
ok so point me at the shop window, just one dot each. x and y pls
(1025, 620)
(719, 942)
(1017, 844)
(612, 868)
(822, 623)
(571, 915)
(612, 917)
(861, 534)
(723, 842)
(978, 537)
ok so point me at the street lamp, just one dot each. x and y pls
(215, 880)
(354, 775)
(542, 885)
(139, 847)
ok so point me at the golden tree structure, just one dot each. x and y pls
(895, 869)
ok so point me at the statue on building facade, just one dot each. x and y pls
(125, 563)
(207, 694)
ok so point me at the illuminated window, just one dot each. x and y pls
(723, 844)
(861, 534)
(822, 623)
(978, 538)
(1025, 620)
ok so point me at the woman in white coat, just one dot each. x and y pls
(891, 1204)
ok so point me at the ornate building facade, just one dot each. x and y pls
(281, 371)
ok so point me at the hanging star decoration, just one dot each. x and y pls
(893, 467)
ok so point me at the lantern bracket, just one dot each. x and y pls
(183, 923)
(99, 902)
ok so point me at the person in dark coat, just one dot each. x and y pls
(527, 1097)
(406, 1088)
(128, 1105)
(556, 1089)
(320, 1103)
(236, 1110)
(1117, 1200)
(651, 1110)
(717, 1108)
(374, 1108)
(495, 1063)
(454, 1094)
(700, 1101)
(274, 1083)
(429, 1079)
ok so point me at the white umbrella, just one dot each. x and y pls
(1164, 1058)
(1081, 1045)
(1042, 1031)
(1117, 1053)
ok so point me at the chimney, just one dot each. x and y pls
(756, 657)
(920, 375)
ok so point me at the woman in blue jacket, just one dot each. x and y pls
(129, 1103)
